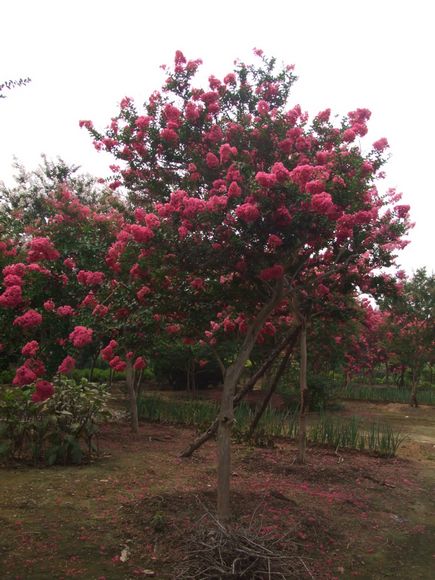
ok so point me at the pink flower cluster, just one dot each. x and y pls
(88, 278)
(140, 363)
(108, 351)
(273, 273)
(117, 364)
(67, 365)
(44, 390)
(29, 319)
(65, 310)
(248, 212)
(81, 336)
(27, 373)
(30, 348)
(42, 249)
(11, 297)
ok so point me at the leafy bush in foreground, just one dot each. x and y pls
(59, 430)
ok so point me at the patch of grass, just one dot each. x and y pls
(377, 438)
(385, 394)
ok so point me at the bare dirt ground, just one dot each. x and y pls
(129, 514)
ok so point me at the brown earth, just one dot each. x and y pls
(130, 513)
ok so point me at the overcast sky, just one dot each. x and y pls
(83, 56)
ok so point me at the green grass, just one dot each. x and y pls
(351, 433)
(385, 394)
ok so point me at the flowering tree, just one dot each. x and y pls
(408, 330)
(49, 275)
(242, 206)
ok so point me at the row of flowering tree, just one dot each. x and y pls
(241, 221)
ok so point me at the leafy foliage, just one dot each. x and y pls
(61, 429)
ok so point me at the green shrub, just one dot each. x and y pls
(62, 429)
(6, 377)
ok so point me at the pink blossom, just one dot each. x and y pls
(274, 241)
(234, 190)
(281, 172)
(29, 319)
(143, 122)
(69, 263)
(197, 283)
(107, 352)
(18, 269)
(322, 202)
(144, 291)
(349, 135)
(49, 305)
(273, 273)
(381, 144)
(211, 160)
(117, 364)
(226, 152)
(65, 310)
(169, 135)
(315, 186)
(230, 79)
(89, 300)
(402, 210)
(141, 234)
(192, 112)
(11, 297)
(13, 280)
(140, 363)
(263, 107)
(30, 349)
(323, 116)
(44, 390)
(173, 328)
(67, 365)
(248, 212)
(266, 179)
(81, 336)
(42, 249)
(100, 310)
(88, 278)
(282, 216)
(24, 376)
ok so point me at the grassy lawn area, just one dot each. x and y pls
(130, 513)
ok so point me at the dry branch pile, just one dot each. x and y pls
(217, 552)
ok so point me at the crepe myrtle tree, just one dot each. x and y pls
(241, 203)
(50, 274)
(408, 329)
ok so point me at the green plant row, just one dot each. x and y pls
(385, 394)
(376, 438)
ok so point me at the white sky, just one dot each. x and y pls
(84, 55)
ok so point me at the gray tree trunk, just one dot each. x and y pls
(134, 420)
(201, 439)
(302, 437)
(226, 415)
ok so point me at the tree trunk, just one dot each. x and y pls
(402, 377)
(134, 420)
(302, 437)
(387, 374)
(94, 360)
(272, 387)
(201, 439)
(413, 402)
(226, 415)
